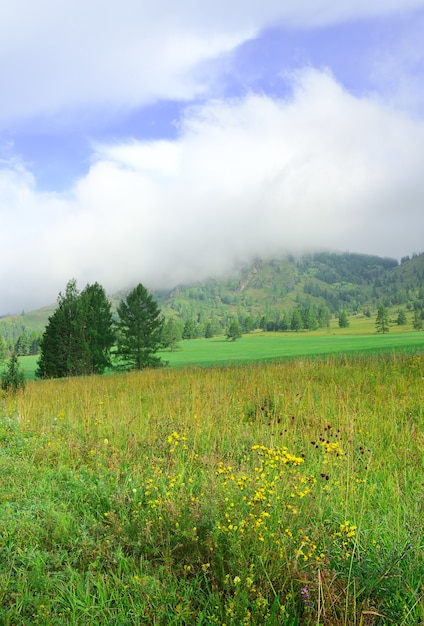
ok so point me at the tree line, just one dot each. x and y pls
(82, 336)
(20, 339)
(337, 282)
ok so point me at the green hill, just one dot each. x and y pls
(266, 288)
(351, 282)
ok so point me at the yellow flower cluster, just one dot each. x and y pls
(175, 439)
(346, 537)
(308, 549)
(332, 448)
(276, 455)
(268, 493)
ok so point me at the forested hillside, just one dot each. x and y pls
(268, 294)
(267, 291)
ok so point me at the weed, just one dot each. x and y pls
(146, 498)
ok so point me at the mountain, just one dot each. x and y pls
(267, 288)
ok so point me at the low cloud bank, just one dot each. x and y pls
(248, 177)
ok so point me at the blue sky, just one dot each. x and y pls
(163, 143)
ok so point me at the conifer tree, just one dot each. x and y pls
(139, 330)
(296, 320)
(13, 378)
(59, 346)
(343, 319)
(417, 322)
(234, 331)
(97, 328)
(401, 318)
(382, 320)
(171, 334)
(78, 336)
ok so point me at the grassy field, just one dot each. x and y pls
(261, 346)
(284, 493)
(269, 346)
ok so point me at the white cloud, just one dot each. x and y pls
(62, 56)
(254, 176)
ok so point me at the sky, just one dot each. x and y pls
(164, 143)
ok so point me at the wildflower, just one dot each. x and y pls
(306, 596)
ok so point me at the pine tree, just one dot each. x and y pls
(97, 335)
(417, 322)
(401, 318)
(171, 335)
(13, 378)
(343, 320)
(310, 321)
(296, 320)
(139, 330)
(189, 330)
(208, 331)
(22, 346)
(382, 320)
(60, 346)
(324, 317)
(234, 331)
(78, 336)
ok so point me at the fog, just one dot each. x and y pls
(254, 176)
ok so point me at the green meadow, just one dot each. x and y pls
(287, 492)
(360, 337)
(268, 346)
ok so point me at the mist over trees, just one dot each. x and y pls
(295, 294)
(287, 294)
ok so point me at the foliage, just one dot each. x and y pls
(234, 331)
(79, 335)
(343, 320)
(269, 288)
(3, 349)
(265, 293)
(209, 330)
(139, 330)
(418, 321)
(12, 378)
(248, 496)
(401, 319)
(382, 322)
(189, 331)
(171, 334)
(96, 321)
(60, 344)
(296, 320)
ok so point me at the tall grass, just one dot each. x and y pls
(286, 493)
